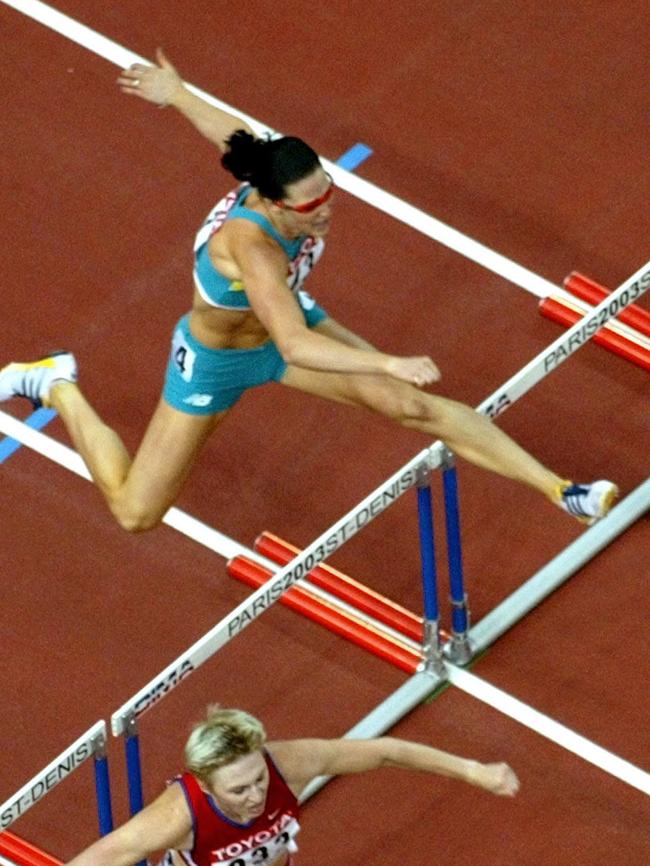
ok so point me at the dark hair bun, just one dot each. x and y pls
(269, 165)
(244, 156)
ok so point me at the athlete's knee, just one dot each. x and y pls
(411, 406)
(435, 415)
(136, 522)
(135, 517)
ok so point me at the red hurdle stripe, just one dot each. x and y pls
(563, 311)
(592, 292)
(24, 853)
(347, 589)
(333, 618)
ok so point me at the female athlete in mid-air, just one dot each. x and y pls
(252, 322)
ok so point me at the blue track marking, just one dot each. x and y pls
(353, 158)
(350, 160)
(37, 420)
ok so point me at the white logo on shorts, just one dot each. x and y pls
(198, 399)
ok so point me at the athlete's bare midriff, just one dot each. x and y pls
(226, 329)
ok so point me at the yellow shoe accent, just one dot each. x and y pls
(559, 490)
(588, 503)
(29, 365)
(33, 379)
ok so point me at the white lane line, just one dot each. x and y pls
(227, 547)
(549, 728)
(351, 183)
(362, 189)
(367, 192)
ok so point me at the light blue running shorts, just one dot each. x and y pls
(202, 381)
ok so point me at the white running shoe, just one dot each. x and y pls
(588, 502)
(33, 380)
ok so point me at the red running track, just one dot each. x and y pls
(524, 127)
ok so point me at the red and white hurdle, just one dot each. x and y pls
(627, 336)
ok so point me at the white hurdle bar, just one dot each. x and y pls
(422, 685)
(373, 505)
(90, 744)
(354, 520)
(559, 569)
(260, 600)
(552, 356)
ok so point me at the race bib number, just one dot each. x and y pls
(183, 356)
(264, 849)
(300, 268)
(216, 218)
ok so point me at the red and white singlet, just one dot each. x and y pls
(220, 841)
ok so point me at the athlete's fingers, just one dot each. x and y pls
(418, 371)
(129, 79)
(129, 85)
(429, 373)
(163, 61)
(506, 781)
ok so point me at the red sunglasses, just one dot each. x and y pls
(309, 206)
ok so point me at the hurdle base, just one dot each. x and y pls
(460, 649)
(432, 660)
(434, 666)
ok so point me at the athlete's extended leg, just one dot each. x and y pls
(463, 430)
(138, 492)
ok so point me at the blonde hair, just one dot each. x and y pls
(224, 736)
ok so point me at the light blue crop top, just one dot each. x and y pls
(220, 291)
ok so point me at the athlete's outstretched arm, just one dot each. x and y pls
(327, 347)
(163, 824)
(302, 760)
(162, 85)
(336, 331)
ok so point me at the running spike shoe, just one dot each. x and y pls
(33, 380)
(588, 502)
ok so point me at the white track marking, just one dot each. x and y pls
(351, 183)
(547, 727)
(428, 226)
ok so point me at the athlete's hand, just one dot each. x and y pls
(500, 779)
(157, 84)
(419, 371)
